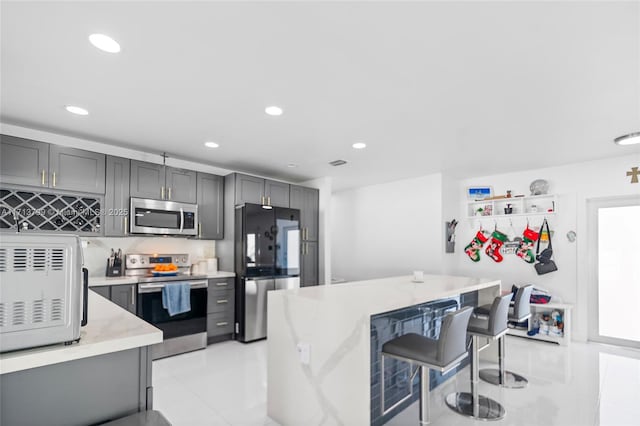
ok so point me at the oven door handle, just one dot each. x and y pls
(154, 288)
(181, 220)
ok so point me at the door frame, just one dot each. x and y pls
(593, 321)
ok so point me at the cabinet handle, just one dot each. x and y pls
(199, 230)
(54, 179)
(169, 191)
(221, 284)
(162, 192)
(222, 324)
(43, 171)
(262, 200)
(268, 201)
(221, 301)
(126, 225)
(133, 295)
(306, 233)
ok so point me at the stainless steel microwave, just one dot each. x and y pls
(163, 217)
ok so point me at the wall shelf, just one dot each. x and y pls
(534, 205)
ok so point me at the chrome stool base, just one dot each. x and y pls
(487, 408)
(511, 380)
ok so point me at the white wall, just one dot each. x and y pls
(387, 229)
(574, 184)
(98, 249)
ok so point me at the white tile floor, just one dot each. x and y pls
(581, 385)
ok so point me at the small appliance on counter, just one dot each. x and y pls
(114, 264)
(44, 290)
(184, 332)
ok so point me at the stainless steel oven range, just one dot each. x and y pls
(182, 332)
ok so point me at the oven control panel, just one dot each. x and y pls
(148, 261)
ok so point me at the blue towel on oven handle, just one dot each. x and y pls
(176, 297)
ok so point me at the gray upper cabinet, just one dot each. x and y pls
(116, 197)
(277, 193)
(147, 180)
(76, 169)
(309, 271)
(307, 201)
(23, 161)
(249, 189)
(27, 162)
(180, 185)
(210, 198)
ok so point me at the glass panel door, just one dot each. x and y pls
(618, 272)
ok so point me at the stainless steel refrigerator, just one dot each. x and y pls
(267, 253)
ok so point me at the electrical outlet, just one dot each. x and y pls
(304, 353)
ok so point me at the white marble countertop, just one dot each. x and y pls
(99, 281)
(109, 329)
(332, 325)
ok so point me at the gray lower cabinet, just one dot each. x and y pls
(307, 200)
(210, 198)
(104, 291)
(23, 161)
(147, 180)
(123, 295)
(76, 169)
(116, 199)
(309, 274)
(181, 185)
(220, 309)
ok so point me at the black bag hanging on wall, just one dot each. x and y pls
(545, 263)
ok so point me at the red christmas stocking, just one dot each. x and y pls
(493, 249)
(473, 249)
(525, 251)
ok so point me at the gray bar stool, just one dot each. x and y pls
(471, 404)
(520, 311)
(442, 355)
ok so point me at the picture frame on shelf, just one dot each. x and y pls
(477, 193)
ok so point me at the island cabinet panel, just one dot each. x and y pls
(86, 391)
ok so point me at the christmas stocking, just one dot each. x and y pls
(525, 251)
(493, 250)
(473, 249)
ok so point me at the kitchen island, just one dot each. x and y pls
(106, 375)
(323, 342)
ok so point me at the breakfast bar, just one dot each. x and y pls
(323, 342)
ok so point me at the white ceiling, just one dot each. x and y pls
(466, 88)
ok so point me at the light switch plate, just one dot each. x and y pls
(304, 353)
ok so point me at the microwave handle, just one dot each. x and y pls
(181, 219)
(85, 296)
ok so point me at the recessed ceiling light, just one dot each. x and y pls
(76, 110)
(359, 145)
(211, 145)
(292, 165)
(273, 110)
(630, 139)
(105, 43)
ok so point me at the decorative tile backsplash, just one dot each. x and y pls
(425, 319)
